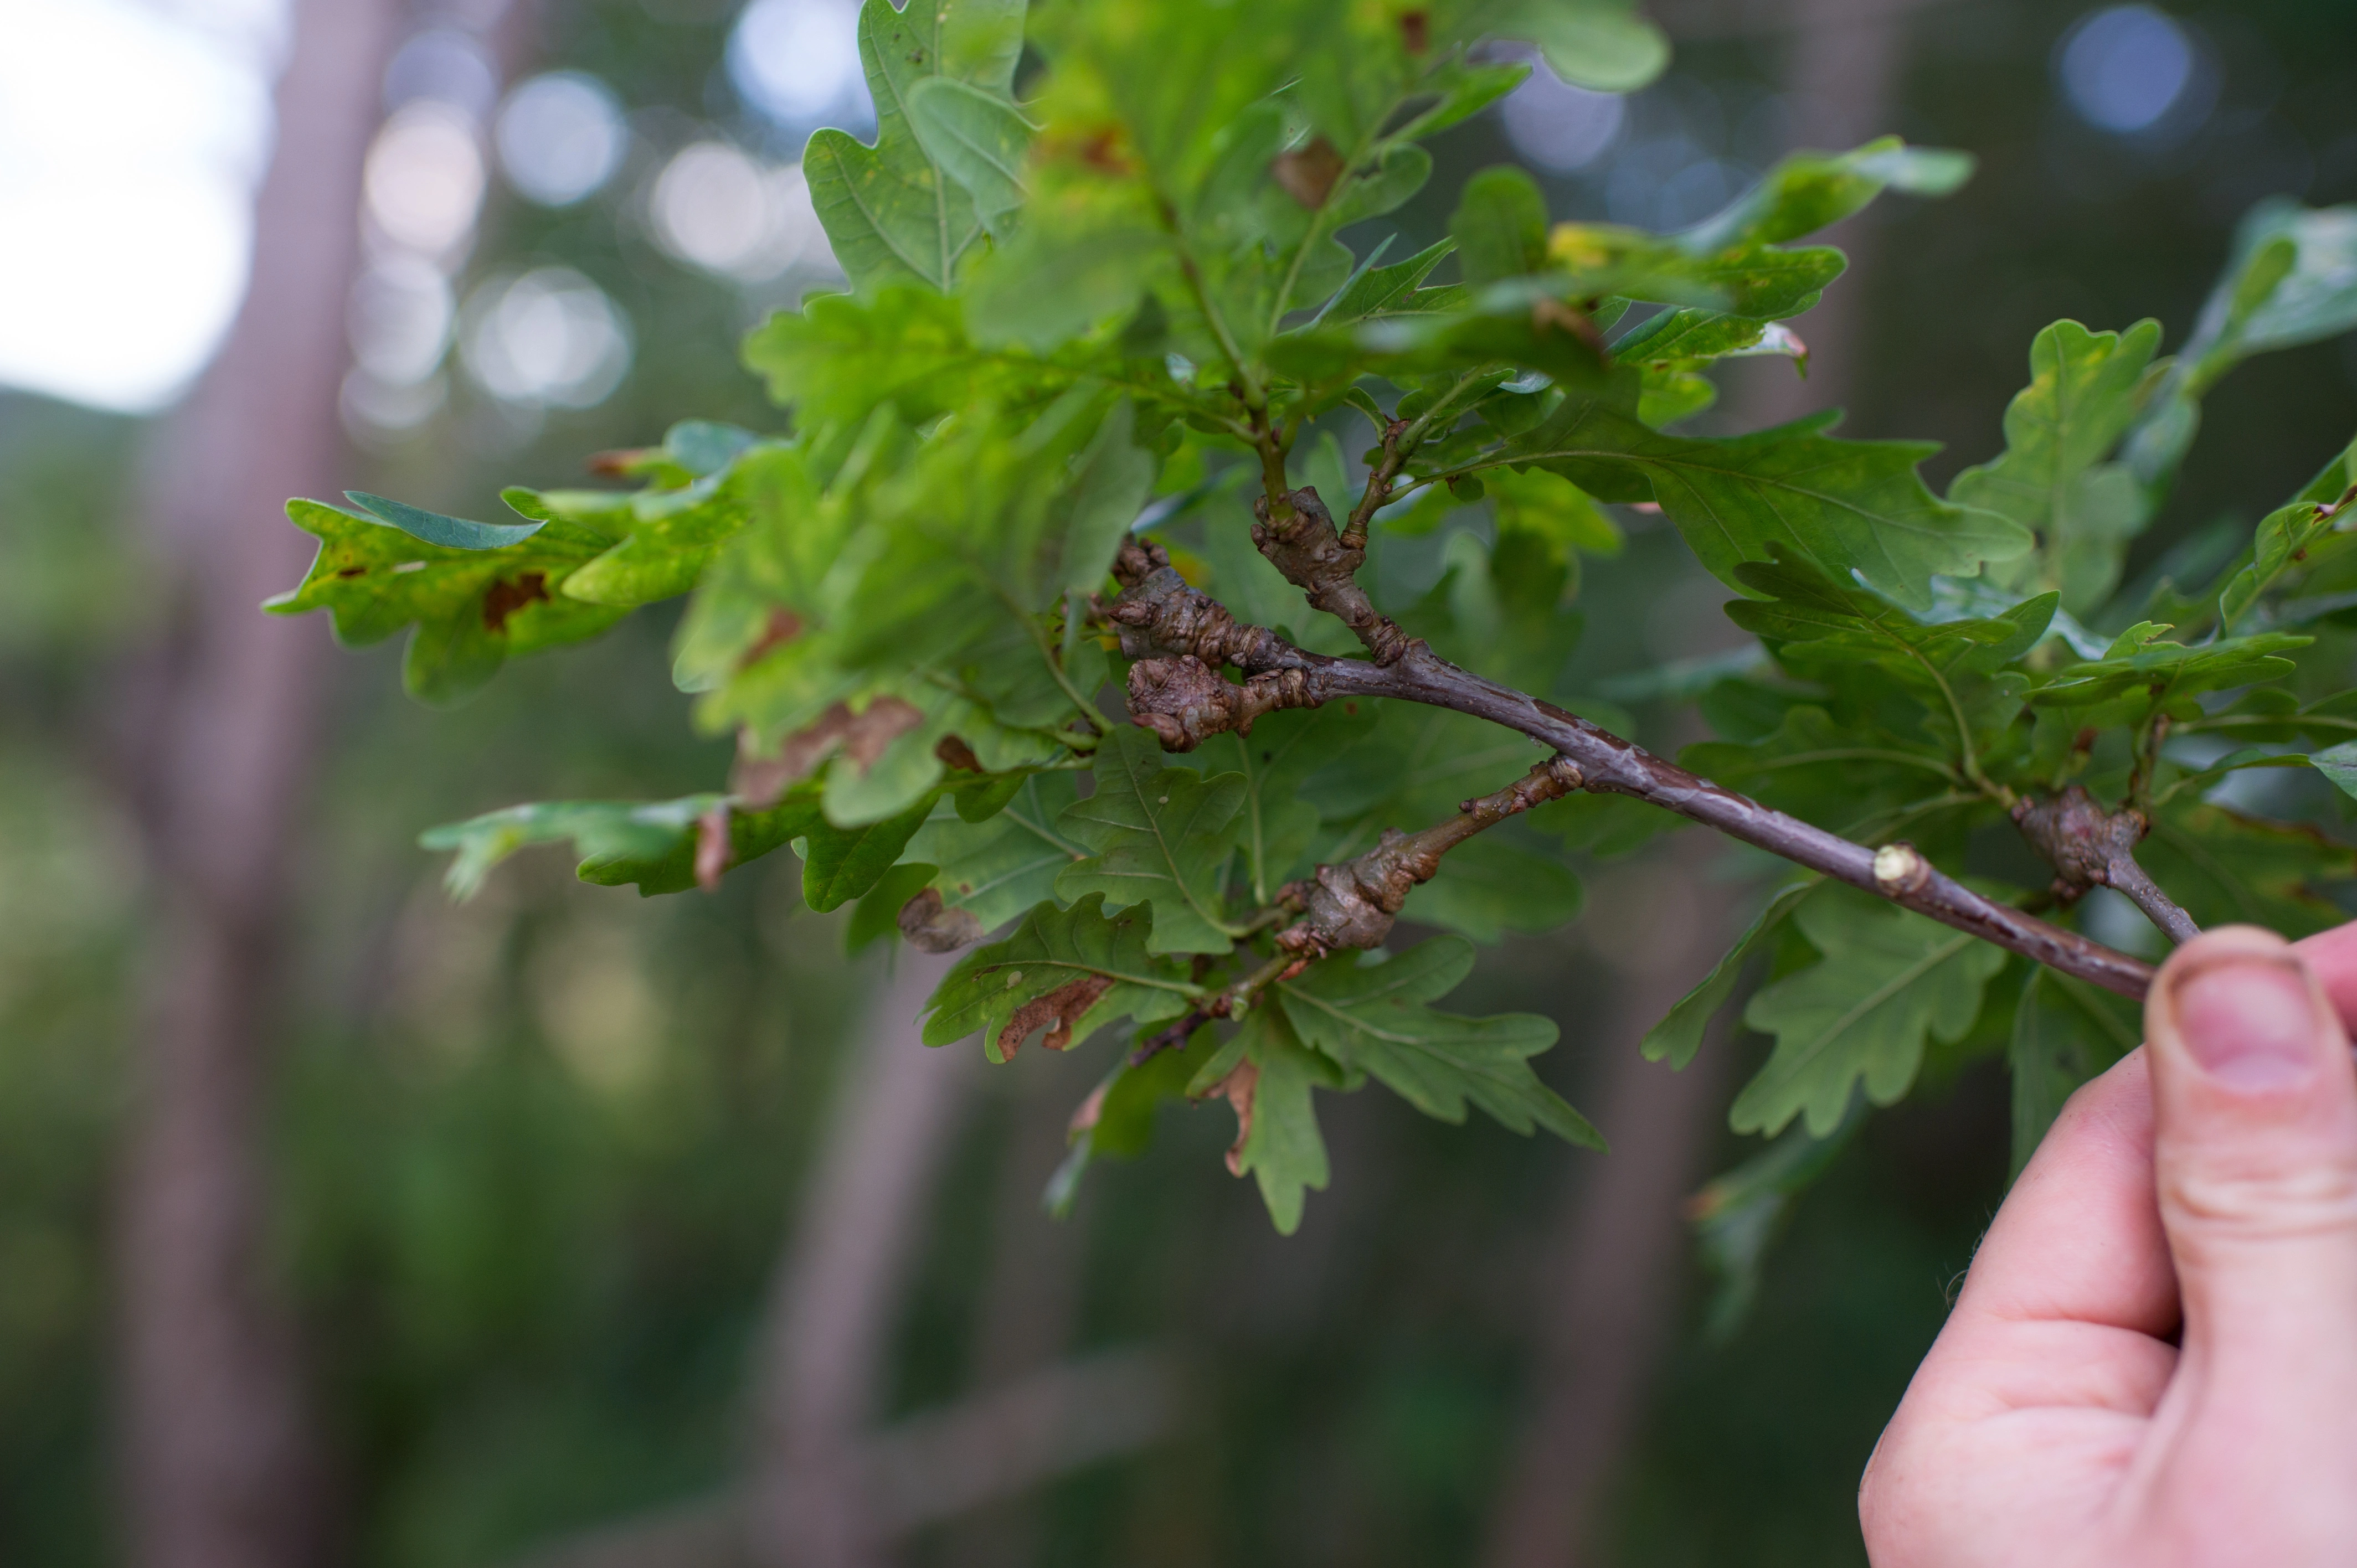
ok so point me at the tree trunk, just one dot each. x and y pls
(1607, 1289)
(219, 1470)
(1842, 77)
(828, 1340)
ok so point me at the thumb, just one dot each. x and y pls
(2254, 1105)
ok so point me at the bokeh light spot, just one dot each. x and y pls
(425, 177)
(1560, 127)
(548, 338)
(797, 62)
(2124, 68)
(559, 138)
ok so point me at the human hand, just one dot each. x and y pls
(2154, 1359)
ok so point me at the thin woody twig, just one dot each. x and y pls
(1158, 605)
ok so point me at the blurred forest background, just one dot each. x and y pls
(342, 1223)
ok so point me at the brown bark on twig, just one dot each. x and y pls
(1352, 904)
(1615, 765)
(221, 1467)
(1300, 541)
(2090, 847)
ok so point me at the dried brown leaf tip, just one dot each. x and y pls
(1057, 1011)
(1239, 1087)
(1308, 172)
(929, 928)
(1415, 31)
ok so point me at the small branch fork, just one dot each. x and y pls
(1162, 622)
(2090, 847)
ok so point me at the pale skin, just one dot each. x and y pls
(2154, 1359)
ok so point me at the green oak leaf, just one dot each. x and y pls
(2064, 1033)
(1499, 226)
(890, 211)
(1372, 1019)
(650, 843)
(2225, 866)
(2291, 278)
(998, 868)
(1678, 1036)
(1888, 980)
(1156, 835)
(2085, 389)
(1281, 1148)
(1850, 506)
(1071, 972)
(1809, 191)
(474, 607)
(843, 863)
(1499, 882)
(976, 137)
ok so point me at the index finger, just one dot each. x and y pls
(2078, 1238)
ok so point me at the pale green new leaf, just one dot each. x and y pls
(1890, 980)
(1157, 835)
(1071, 972)
(1602, 45)
(1372, 1019)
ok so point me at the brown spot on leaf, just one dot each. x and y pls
(929, 928)
(353, 572)
(1104, 148)
(955, 753)
(756, 781)
(1239, 1087)
(1415, 31)
(1058, 1011)
(783, 627)
(623, 462)
(1308, 172)
(713, 850)
(503, 598)
(861, 736)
